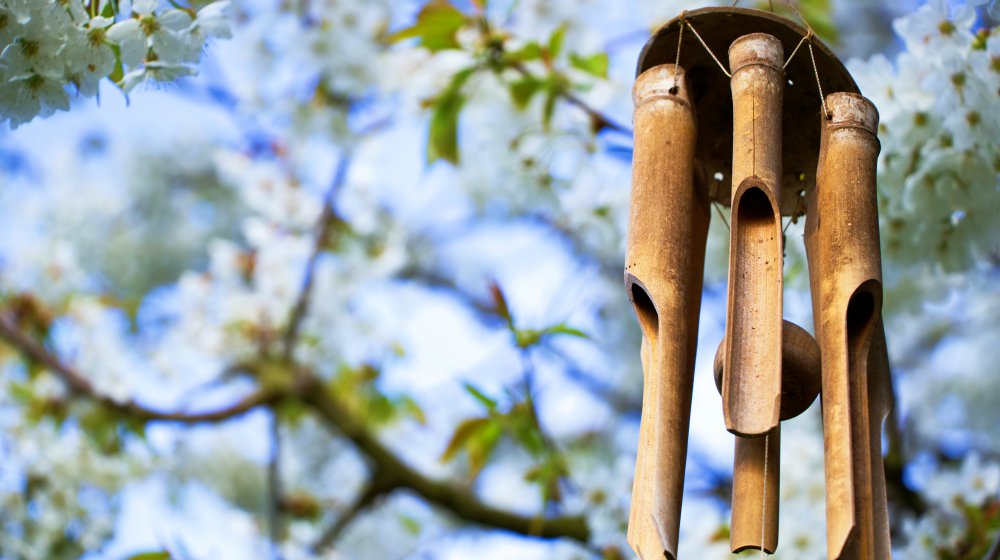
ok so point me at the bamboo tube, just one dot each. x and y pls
(668, 226)
(756, 481)
(751, 390)
(845, 274)
(754, 497)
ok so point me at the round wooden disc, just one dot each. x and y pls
(713, 99)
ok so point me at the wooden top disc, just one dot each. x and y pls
(713, 100)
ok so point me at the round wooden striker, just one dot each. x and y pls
(713, 100)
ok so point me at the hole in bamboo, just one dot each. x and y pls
(860, 313)
(649, 321)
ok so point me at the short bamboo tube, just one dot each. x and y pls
(845, 272)
(668, 226)
(800, 376)
(800, 364)
(751, 391)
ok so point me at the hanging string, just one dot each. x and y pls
(819, 84)
(704, 44)
(805, 38)
(718, 209)
(763, 503)
(677, 62)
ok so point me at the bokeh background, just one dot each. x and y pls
(343, 279)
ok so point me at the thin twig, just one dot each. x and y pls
(79, 384)
(599, 120)
(364, 500)
(326, 220)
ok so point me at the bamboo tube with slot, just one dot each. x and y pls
(845, 273)
(665, 256)
(751, 385)
(751, 390)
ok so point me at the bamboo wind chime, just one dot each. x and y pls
(761, 138)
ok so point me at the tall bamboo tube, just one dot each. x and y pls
(751, 391)
(668, 226)
(751, 385)
(845, 273)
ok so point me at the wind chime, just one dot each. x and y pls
(761, 138)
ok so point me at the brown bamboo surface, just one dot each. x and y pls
(751, 388)
(758, 498)
(665, 255)
(800, 369)
(845, 274)
(709, 88)
(754, 521)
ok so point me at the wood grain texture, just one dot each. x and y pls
(751, 389)
(668, 226)
(845, 273)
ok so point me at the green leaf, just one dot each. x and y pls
(411, 524)
(563, 328)
(158, 555)
(478, 437)
(110, 9)
(525, 338)
(524, 89)
(442, 135)
(480, 447)
(549, 109)
(596, 64)
(524, 429)
(547, 476)
(530, 51)
(819, 14)
(119, 72)
(463, 432)
(436, 27)
(557, 40)
(486, 401)
(21, 392)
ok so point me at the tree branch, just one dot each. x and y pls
(460, 501)
(80, 385)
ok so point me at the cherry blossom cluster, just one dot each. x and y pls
(50, 49)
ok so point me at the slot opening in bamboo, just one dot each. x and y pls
(756, 271)
(645, 310)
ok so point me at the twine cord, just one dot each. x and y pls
(797, 47)
(819, 84)
(707, 49)
(677, 62)
(763, 503)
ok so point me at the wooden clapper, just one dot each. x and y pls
(757, 135)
